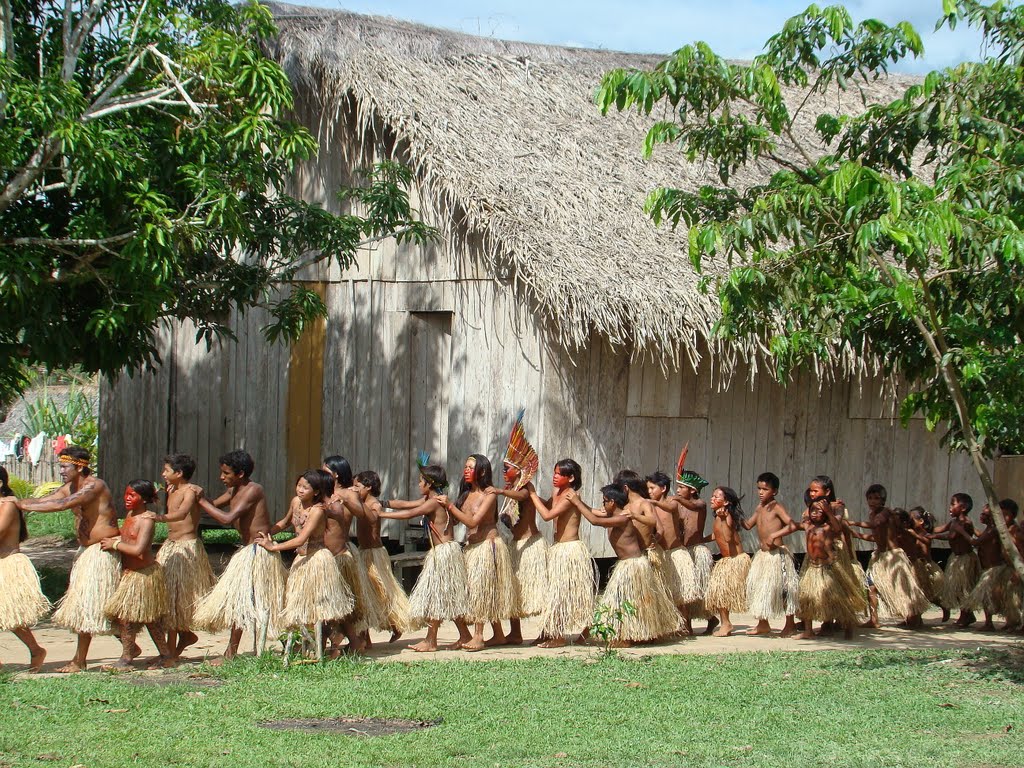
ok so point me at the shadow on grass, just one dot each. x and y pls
(54, 582)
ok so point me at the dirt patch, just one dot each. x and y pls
(351, 726)
(163, 680)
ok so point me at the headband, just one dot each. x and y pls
(65, 459)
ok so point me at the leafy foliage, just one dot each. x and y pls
(144, 165)
(76, 417)
(894, 234)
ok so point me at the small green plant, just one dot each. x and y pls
(22, 488)
(45, 489)
(607, 622)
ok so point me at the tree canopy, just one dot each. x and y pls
(894, 234)
(145, 158)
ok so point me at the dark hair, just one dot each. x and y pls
(239, 462)
(181, 462)
(632, 480)
(567, 468)
(826, 482)
(732, 504)
(435, 476)
(773, 480)
(965, 500)
(877, 489)
(315, 478)
(78, 452)
(5, 490)
(615, 494)
(660, 479)
(927, 520)
(483, 474)
(371, 480)
(1009, 506)
(327, 480)
(145, 489)
(903, 516)
(341, 468)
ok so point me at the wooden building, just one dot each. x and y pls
(549, 289)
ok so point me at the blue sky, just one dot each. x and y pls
(734, 28)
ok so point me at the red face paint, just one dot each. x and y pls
(132, 500)
(511, 473)
(469, 471)
(561, 481)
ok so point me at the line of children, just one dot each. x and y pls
(663, 581)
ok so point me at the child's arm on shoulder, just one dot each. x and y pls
(418, 508)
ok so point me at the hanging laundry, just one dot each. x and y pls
(35, 447)
(60, 444)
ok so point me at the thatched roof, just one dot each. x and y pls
(509, 131)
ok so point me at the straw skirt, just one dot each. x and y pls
(929, 578)
(962, 574)
(703, 562)
(22, 602)
(315, 592)
(354, 575)
(773, 584)
(530, 563)
(727, 588)
(828, 592)
(997, 592)
(572, 585)
(637, 603)
(666, 573)
(141, 597)
(250, 592)
(493, 593)
(440, 593)
(94, 579)
(189, 577)
(892, 574)
(390, 609)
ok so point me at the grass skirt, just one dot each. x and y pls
(250, 591)
(635, 582)
(189, 577)
(530, 563)
(493, 593)
(354, 575)
(727, 588)
(390, 603)
(962, 574)
(929, 578)
(141, 597)
(315, 591)
(94, 579)
(666, 573)
(773, 584)
(899, 596)
(441, 593)
(572, 585)
(22, 602)
(828, 592)
(997, 592)
(703, 562)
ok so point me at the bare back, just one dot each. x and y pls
(368, 526)
(671, 530)
(567, 521)
(183, 499)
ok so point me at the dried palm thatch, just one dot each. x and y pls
(509, 146)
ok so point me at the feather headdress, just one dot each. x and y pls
(521, 455)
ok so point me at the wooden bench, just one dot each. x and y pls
(404, 560)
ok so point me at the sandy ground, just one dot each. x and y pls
(60, 645)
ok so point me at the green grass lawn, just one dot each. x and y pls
(798, 709)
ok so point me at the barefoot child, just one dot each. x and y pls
(727, 589)
(186, 567)
(572, 573)
(695, 571)
(250, 592)
(828, 591)
(773, 585)
(341, 504)
(993, 594)
(913, 539)
(492, 582)
(633, 598)
(141, 596)
(529, 548)
(390, 603)
(315, 593)
(676, 560)
(963, 567)
(441, 592)
(22, 602)
(96, 572)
